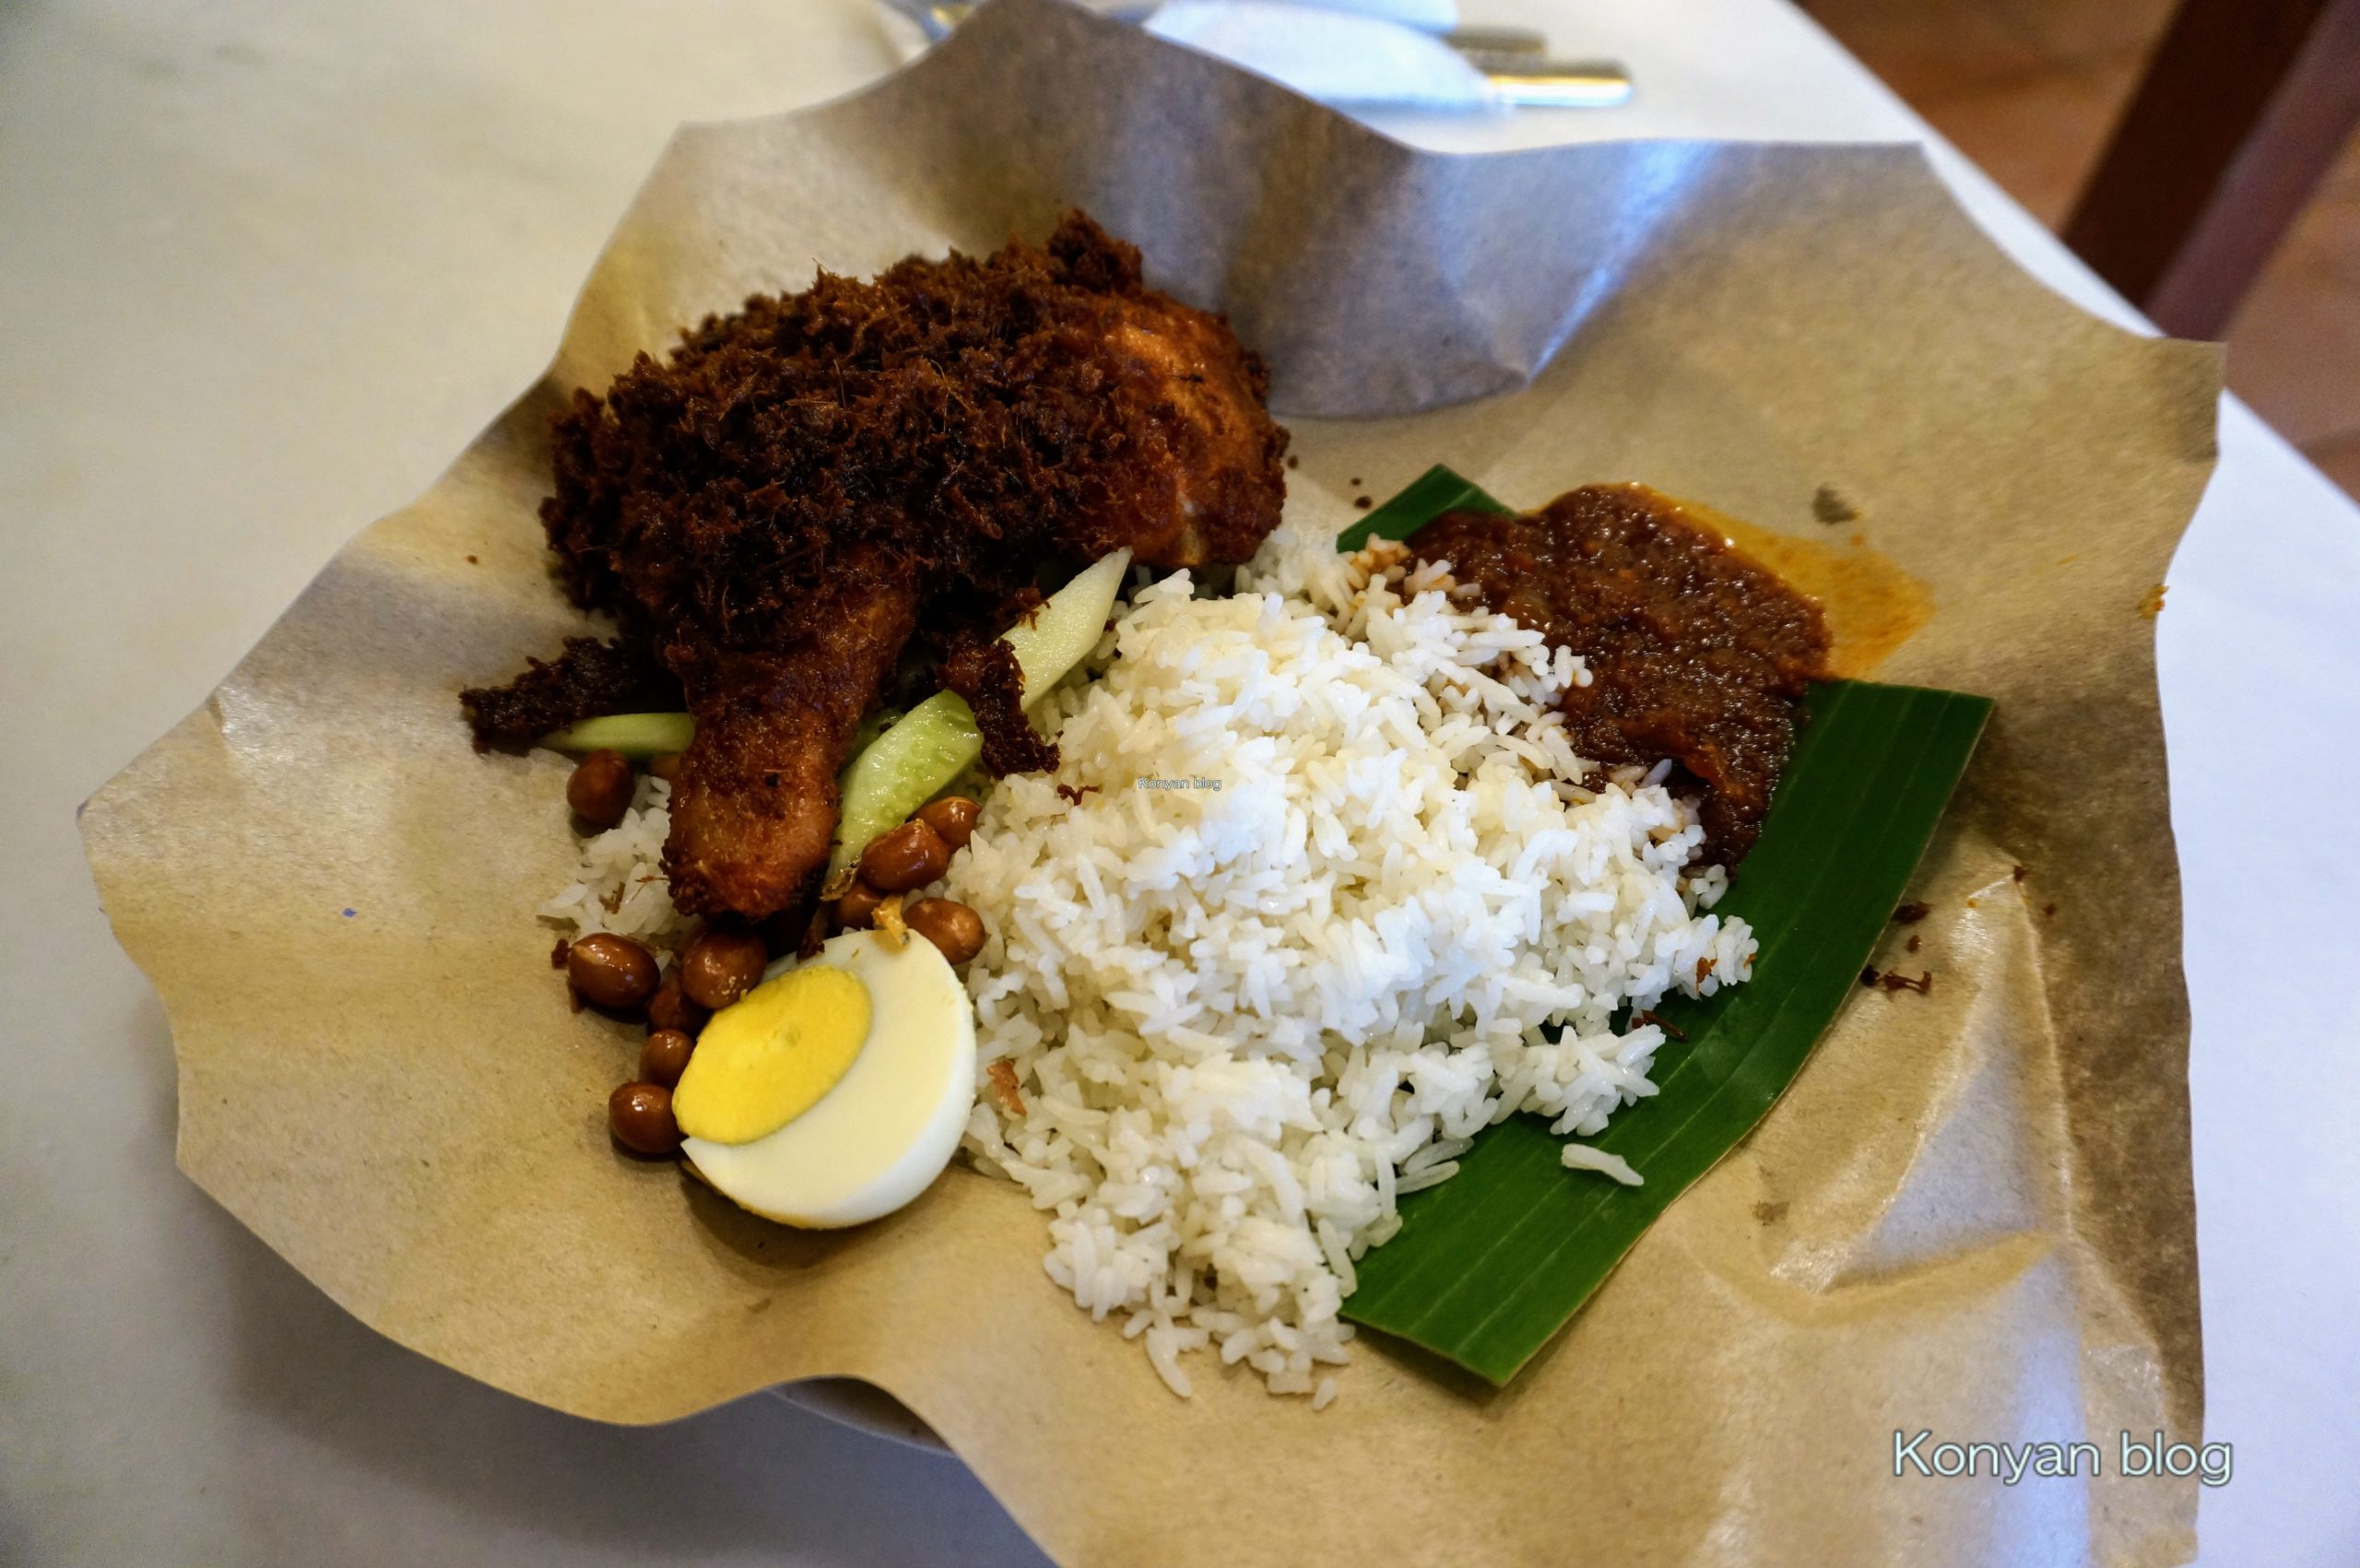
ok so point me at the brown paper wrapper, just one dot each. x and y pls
(1972, 1214)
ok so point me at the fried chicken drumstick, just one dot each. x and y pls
(807, 489)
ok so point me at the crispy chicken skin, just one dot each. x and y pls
(804, 489)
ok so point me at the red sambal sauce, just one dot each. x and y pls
(1695, 653)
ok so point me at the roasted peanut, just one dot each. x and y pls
(952, 818)
(640, 1116)
(857, 909)
(665, 1057)
(722, 965)
(610, 972)
(600, 789)
(909, 856)
(670, 1008)
(951, 926)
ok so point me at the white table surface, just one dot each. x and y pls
(265, 268)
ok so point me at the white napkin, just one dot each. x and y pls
(1431, 15)
(1334, 56)
(1356, 51)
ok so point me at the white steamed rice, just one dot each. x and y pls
(619, 882)
(1299, 944)
(1294, 946)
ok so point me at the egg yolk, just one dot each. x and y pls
(770, 1056)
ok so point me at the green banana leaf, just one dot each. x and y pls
(1489, 1265)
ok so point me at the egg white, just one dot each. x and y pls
(886, 1129)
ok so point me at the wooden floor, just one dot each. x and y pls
(2029, 89)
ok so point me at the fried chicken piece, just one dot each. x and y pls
(754, 802)
(985, 674)
(805, 488)
(1204, 481)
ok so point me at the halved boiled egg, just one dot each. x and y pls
(836, 1089)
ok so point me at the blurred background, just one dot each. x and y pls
(2034, 89)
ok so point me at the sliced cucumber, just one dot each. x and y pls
(937, 740)
(900, 771)
(636, 735)
(1062, 631)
